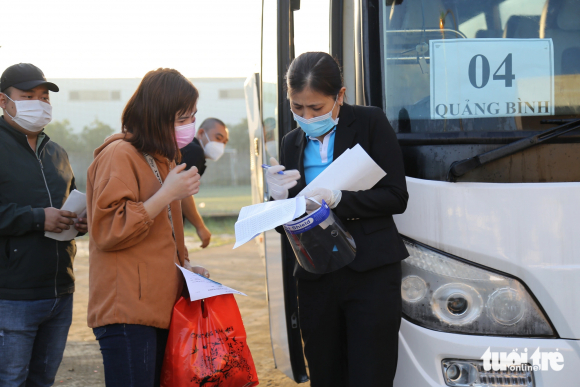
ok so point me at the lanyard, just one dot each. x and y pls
(153, 166)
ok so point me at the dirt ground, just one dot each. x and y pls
(241, 269)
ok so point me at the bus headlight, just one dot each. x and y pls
(457, 303)
(449, 294)
(413, 288)
(506, 307)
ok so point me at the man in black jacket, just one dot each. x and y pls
(209, 143)
(36, 274)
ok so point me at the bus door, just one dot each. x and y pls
(280, 44)
(266, 99)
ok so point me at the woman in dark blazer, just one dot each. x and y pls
(349, 318)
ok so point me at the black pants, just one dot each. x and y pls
(350, 323)
(132, 354)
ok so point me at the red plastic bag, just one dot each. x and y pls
(207, 346)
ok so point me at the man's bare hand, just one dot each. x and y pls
(82, 226)
(204, 235)
(56, 220)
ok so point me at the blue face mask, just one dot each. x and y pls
(317, 126)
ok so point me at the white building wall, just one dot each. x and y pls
(219, 97)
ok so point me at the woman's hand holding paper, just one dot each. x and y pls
(196, 269)
(331, 197)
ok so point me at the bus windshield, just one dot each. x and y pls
(486, 65)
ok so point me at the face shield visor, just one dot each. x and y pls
(320, 241)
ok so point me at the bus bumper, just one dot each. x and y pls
(422, 350)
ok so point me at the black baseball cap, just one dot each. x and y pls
(24, 76)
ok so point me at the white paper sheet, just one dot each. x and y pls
(77, 203)
(254, 220)
(354, 170)
(200, 287)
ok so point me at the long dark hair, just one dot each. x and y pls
(150, 113)
(316, 70)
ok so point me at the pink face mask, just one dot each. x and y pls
(184, 134)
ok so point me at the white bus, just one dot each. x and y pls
(485, 98)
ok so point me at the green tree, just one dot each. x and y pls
(63, 134)
(94, 135)
(84, 143)
(80, 147)
(239, 138)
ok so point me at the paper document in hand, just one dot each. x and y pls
(354, 170)
(254, 220)
(77, 203)
(200, 287)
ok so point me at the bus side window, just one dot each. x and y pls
(559, 22)
(522, 27)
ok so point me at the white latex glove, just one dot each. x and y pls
(278, 185)
(331, 197)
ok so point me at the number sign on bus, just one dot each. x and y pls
(476, 78)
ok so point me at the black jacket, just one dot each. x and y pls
(367, 215)
(32, 266)
(193, 155)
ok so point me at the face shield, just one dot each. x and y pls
(320, 241)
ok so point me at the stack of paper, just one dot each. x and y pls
(77, 203)
(254, 220)
(200, 287)
(354, 170)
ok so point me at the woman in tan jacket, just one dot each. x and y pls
(136, 228)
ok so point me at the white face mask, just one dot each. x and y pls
(213, 150)
(32, 115)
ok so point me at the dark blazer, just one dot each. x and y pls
(367, 215)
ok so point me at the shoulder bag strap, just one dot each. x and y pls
(153, 166)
